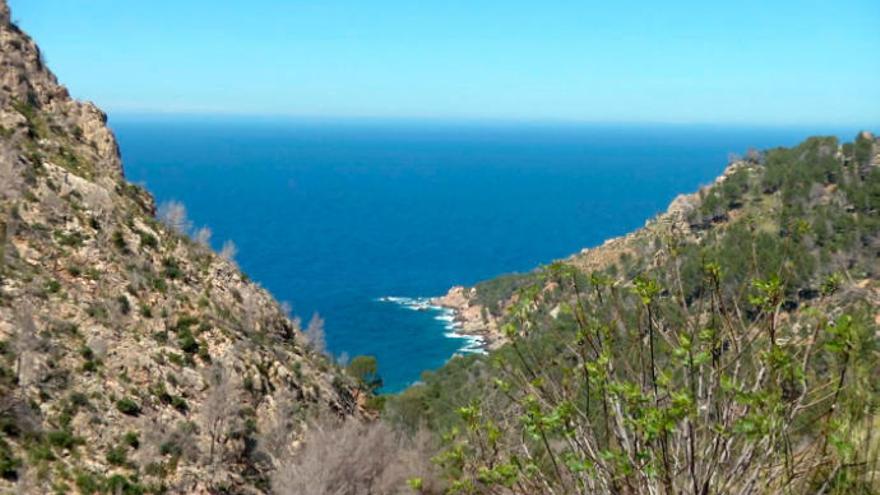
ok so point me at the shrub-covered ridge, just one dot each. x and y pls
(730, 346)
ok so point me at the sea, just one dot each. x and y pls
(361, 220)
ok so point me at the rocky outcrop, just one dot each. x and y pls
(471, 318)
(875, 147)
(132, 359)
(30, 95)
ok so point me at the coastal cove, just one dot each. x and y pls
(290, 248)
(364, 222)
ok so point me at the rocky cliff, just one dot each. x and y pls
(132, 359)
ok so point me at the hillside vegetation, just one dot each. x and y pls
(730, 346)
(133, 359)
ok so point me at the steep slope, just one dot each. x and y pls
(132, 359)
(690, 218)
(731, 345)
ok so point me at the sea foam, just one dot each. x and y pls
(471, 344)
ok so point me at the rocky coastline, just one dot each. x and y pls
(470, 317)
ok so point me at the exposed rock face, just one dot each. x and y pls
(875, 150)
(470, 316)
(27, 83)
(131, 357)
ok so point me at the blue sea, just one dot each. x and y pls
(335, 217)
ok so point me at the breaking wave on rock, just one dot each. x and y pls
(471, 344)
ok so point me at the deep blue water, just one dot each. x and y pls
(331, 216)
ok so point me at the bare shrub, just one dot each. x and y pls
(2, 241)
(355, 458)
(252, 312)
(160, 439)
(277, 436)
(173, 214)
(220, 407)
(26, 347)
(98, 346)
(343, 360)
(733, 158)
(314, 334)
(228, 251)
(203, 237)
(754, 155)
(16, 409)
(286, 308)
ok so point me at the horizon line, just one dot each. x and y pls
(471, 120)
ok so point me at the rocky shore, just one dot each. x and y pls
(470, 317)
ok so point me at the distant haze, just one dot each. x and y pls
(748, 62)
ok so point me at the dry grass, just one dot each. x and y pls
(356, 458)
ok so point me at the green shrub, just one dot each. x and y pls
(78, 399)
(124, 304)
(177, 359)
(188, 342)
(186, 322)
(366, 370)
(118, 240)
(63, 439)
(159, 284)
(87, 353)
(128, 406)
(97, 311)
(170, 447)
(72, 239)
(40, 451)
(491, 292)
(132, 439)
(118, 483)
(9, 464)
(171, 268)
(52, 286)
(117, 456)
(203, 352)
(87, 482)
(179, 403)
(148, 240)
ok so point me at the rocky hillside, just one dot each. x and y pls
(132, 358)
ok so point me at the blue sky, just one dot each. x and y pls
(745, 62)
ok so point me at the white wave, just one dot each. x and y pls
(413, 303)
(472, 344)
